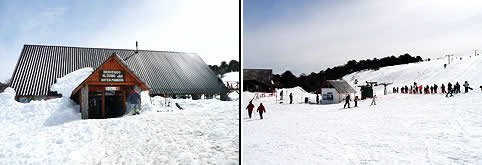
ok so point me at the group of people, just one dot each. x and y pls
(417, 89)
(348, 99)
(281, 96)
(260, 109)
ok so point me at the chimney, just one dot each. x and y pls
(136, 47)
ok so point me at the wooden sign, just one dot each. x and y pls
(111, 88)
(112, 76)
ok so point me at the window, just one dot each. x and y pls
(328, 96)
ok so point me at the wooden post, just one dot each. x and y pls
(84, 92)
(103, 102)
(125, 104)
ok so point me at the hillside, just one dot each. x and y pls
(424, 73)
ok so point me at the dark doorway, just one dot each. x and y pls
(114, 104)
(95, 104)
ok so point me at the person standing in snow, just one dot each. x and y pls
(443, 88)
(431, 89)
(250, 108)
(420, 89)
(457, 87)
(356, 101)
(466, 85)
(373, 100)
(435, 88)
(134, 100)
(449, 90)
(317, 99)
(261, 110)
(347, 101)
(281, 95)
(291, 98)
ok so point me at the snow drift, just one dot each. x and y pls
(51, 131)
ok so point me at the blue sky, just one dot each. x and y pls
(209, 28)
(311, 35)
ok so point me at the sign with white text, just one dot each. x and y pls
(112, 76)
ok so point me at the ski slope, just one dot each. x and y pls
(51, 131)
(424, 73)
(400, 129)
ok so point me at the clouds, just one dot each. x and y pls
(323, 37)
(209, 28)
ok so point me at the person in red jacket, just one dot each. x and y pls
(250, 108)
(261, 110)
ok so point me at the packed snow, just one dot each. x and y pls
(69, 82)
(400, 129)
(51, 131)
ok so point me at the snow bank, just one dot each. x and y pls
(69, 82)
(51, 132)
(231, 76)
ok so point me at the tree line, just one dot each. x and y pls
(314, 80)
(232, 66)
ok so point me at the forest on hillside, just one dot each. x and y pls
(314, 80)
(232, 66)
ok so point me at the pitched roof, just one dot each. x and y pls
(341, 86)
(260, 75)
(165, 72)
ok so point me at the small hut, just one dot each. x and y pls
(333, 91)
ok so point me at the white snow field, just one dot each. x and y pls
(400, 129)
(51, 132)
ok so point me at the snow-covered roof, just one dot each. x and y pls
(165, 72)
(341, 86)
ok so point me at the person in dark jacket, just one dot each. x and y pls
(261, 110)
(449, 90)
(317, 99)
(291, 98)
(457, 88)
(443, 88)
(435, 88)
(134, 100)
(356, 101)
(250, 108)
(347, 101)
(281, 95)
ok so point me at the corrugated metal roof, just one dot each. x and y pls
(342, 86)
(164, 72)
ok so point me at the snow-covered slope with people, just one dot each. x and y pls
(424, 73)
(400, 129)
(51, 132)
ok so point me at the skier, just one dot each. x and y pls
(291, 98)
(261, 110)
(398, 90)
(420, 89)
(466, 85)
(250, 108)
(373, 100)
(133, 100)
(443, 88)
(347, 101)
(431, 89)
(449, 90)
(356, 101)
(435, 88)
(281, 95)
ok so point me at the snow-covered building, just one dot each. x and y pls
(333, 91)
(257, 80)
(116, 72)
